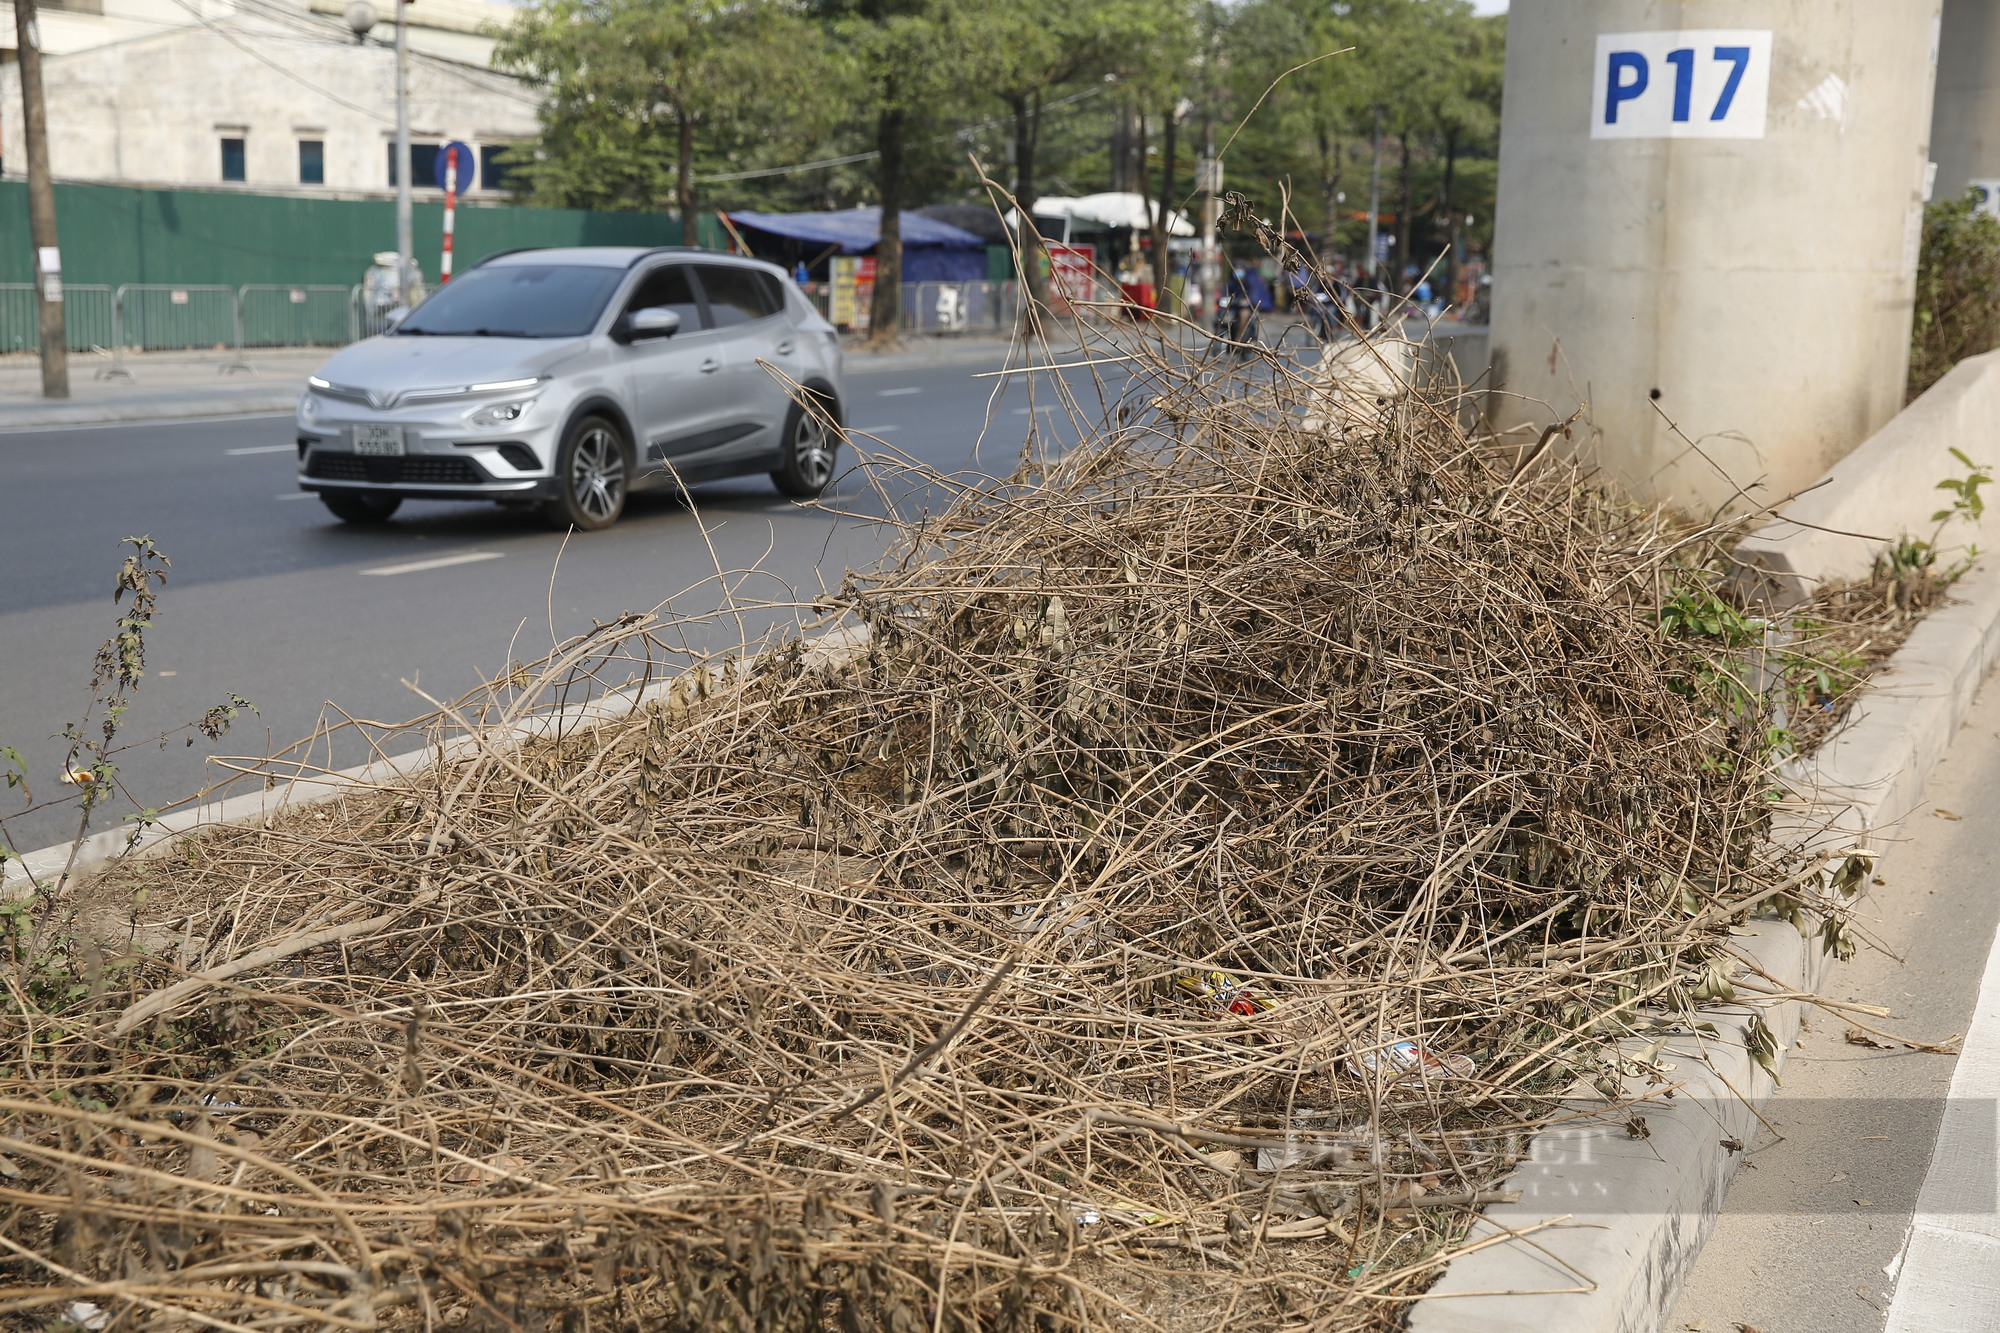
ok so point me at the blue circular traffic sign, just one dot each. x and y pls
(468, 166)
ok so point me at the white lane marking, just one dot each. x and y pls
(897, 393)
(872, 430)
(166, 673)
(261, 449)
(439, 562)
(1023, 411)
(298, 495)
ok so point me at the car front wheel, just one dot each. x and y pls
(360, 506)
(807, 463)
(590, 476)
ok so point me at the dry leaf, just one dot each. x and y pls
(1943, 813)
(1856, 1037)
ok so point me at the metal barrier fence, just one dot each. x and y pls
(154, 317)
(204, 316)
(87, 317)
(365, 320)
(312, 316)
(959, 307)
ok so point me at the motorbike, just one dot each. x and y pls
(1319, 312)
(1236, 320)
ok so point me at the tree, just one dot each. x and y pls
(1431, 67)
(906, 55)
(631, 85)
(1035, 50)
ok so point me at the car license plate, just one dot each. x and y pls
(378, 439)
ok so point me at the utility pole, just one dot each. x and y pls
(1375, 224)
(41, 205)
(405, 246)
(1211, 185)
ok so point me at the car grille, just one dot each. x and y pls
(410, 470)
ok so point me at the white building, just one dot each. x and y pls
(275, 96)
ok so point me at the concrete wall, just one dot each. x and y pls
(1755, 291)
(458, 29)
(1965, 122)
(153, 109)
(1884, 491)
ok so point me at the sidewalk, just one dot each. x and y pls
(162, 386)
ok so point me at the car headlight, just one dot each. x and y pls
(501, 414)
(308, 408)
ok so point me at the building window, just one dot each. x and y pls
(232, 159)
(312, 161)
(495, 167)
(423, 165)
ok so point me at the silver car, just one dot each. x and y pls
(572, 378)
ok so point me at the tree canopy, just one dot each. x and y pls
(830, 103)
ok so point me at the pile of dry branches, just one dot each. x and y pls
(877, 985)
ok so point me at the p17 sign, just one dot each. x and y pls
(1699, 83)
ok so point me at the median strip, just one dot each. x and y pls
(438, 562)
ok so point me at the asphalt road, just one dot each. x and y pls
(1810, 1233)
(271, 598)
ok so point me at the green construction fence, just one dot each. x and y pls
(112, 235)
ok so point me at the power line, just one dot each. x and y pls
(335, 33)
(263, 59)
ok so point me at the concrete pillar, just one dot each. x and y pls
(1732, 252)
(1965, 123)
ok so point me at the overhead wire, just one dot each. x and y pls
(220, 31)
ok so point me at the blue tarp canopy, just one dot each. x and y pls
(855, 230)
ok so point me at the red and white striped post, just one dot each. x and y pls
(450, 208)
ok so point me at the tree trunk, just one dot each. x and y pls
(1332, 152)
(1450, 215)
(684, 179)
(41, 204)
(885, 313)
(1027, 129)
(1143, 180)
(1162, 264)
(1404, 259)
(1121, 148)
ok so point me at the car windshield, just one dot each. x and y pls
(516, 301)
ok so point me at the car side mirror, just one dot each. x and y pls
(652, 322)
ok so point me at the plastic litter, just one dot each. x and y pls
(1227, 994)
(1403, 1057)
(87, 1314)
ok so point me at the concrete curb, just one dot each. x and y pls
(136, 411)
(1887, 488)
(1609, 1224)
